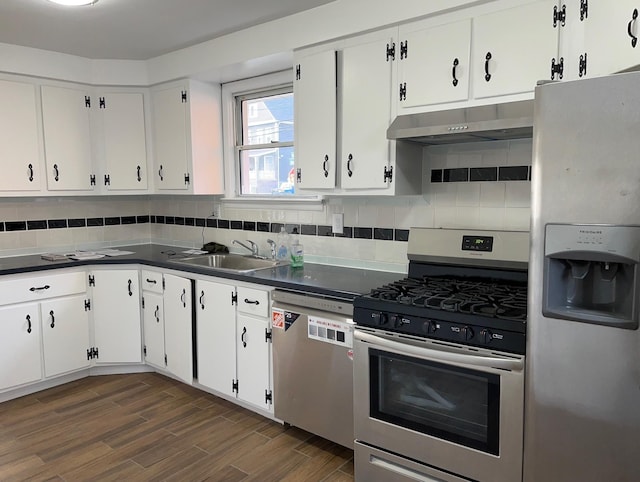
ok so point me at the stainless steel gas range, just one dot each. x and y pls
(439, 362)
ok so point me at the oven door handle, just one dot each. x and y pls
(513, 365)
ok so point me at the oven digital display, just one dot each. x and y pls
(477, 243)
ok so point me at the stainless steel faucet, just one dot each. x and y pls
(272, 245)
(253, 248)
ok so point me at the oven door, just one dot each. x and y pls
(456, 408)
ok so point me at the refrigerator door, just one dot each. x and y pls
(583, 380)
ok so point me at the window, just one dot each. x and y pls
(264, 142)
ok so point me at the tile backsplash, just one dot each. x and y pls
(374, 236)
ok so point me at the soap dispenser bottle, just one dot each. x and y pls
(282, 246)
(297, 252)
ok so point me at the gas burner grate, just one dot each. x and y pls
(474, 296)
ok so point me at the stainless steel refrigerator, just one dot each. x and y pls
(582, 414)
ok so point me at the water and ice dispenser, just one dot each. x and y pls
(590, 274)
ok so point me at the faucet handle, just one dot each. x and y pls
(254, 247)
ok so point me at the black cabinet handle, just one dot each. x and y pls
(201, 297)
(244, 332)
(29, 321)
(160, 173)
(453, 72)
(129, 288)
(487, 75)
(30, 167)
(152, 281)
(634, 39)
(251, 302)
(183, 298)
(349, 160)
(155, 313)
(56, 172)
(39, 288)
(138, 173)
(325, 165)
(53, 319)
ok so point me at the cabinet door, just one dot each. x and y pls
(177, 327)
(125, 149)
(513, 49)
(314, 91)
(20, 360)
(153, 321)
(116, 316)
(365, 113)
(610, 30)
(65, 334)
(19, 151)
(254, 364)
(216, 335)
(67, 138)
(435, 69)
(170, 137)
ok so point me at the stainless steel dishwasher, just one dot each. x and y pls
(313, 364)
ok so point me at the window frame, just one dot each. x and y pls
(256, 87)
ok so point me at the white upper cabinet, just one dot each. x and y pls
(124, 147)
(513, 49)
(314, 90)
(19, 141)
(187, 137)
(344, 148)
(611, 31)
(67, 138)
(433, 64)
(365, 114)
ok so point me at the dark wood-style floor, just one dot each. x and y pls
(150, 427)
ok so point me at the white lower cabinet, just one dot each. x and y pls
(167, 315)
(116, 316)
(65, 334)
(45, 327)
(253, 361)
(153, 329)
(216, 334)
(234, 341)
(20, 359)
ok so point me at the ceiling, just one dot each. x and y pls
(134, 29)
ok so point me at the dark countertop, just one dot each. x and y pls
(319, 279)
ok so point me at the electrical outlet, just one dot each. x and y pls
(216, 211)
(337, 223)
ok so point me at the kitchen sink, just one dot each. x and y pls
(230, 262)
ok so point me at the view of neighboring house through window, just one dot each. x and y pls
(264, 142)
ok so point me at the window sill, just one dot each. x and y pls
(293, 203)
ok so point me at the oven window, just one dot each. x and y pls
(448, 402)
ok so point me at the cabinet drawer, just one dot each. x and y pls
(151, 281)
(42, 287)
(253, 302)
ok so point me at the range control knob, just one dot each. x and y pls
(429, 327)
(466, 333)
(395, 320)
(486, 336)
(378, 318)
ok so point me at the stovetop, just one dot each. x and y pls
(479, 297)
(476, 311)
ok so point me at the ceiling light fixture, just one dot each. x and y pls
(74, 3)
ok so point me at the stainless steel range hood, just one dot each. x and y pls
(511, 120)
